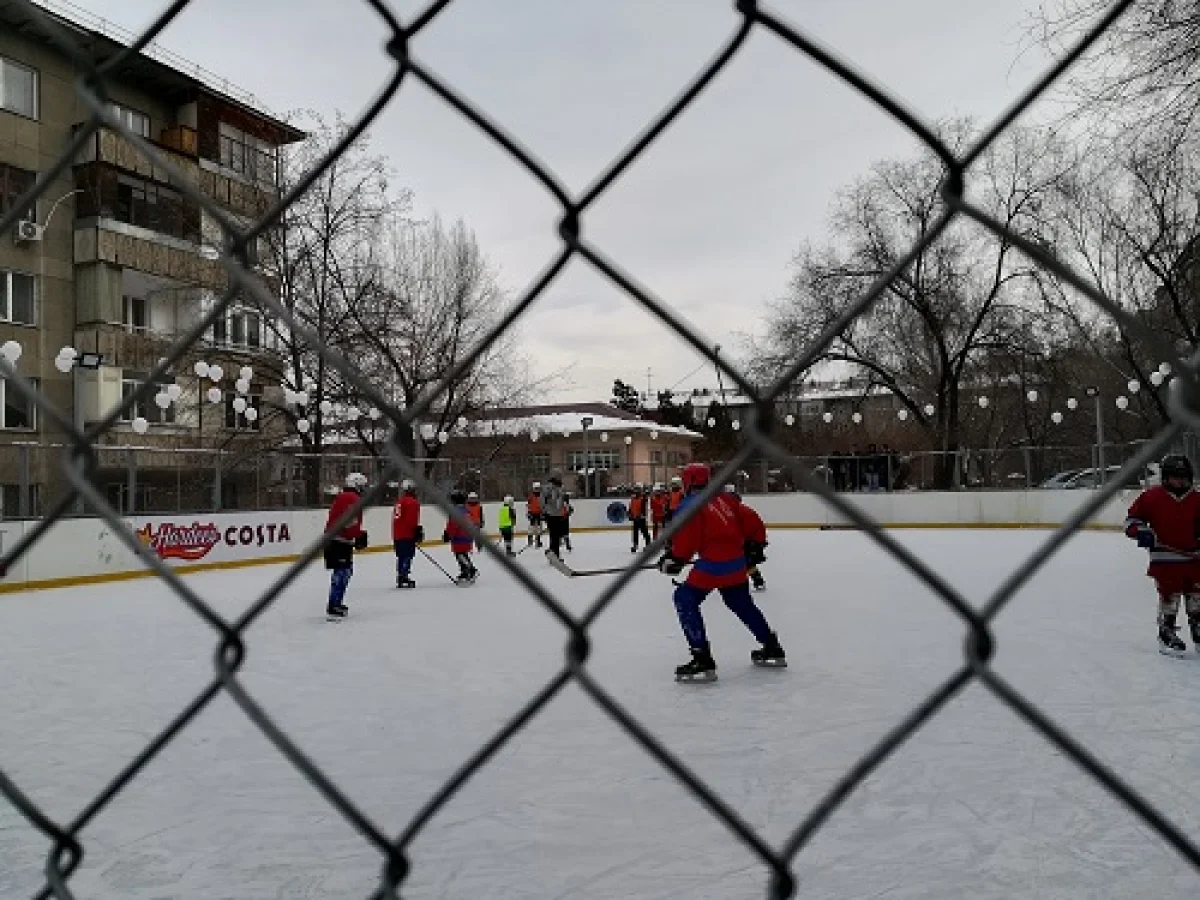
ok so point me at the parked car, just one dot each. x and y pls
(1086, 478)
(1059, 479)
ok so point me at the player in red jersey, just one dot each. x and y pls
(407, 532)
(716, 536)
(1166, 520)
(339, 551)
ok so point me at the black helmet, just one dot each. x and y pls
(1176, 465)
(458, 496)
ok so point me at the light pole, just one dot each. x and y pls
(586, 421)
(1102, 470)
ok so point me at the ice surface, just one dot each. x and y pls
(391, 701)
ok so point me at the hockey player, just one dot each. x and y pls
(460, 540)
(716, 535)
(567, 510)
(407, 532)
(638, 507)
(675, 498)
(554, 514)
(475, 511)
(756, 542)
(339, 550)
(659, 507)
(533, 512)
(507, 520)
(1166, 520)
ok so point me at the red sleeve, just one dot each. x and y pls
(1138, 516)
(690, 538)
(341, 503)
(752, 524)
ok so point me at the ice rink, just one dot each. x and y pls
(391, 702)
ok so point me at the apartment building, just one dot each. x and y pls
(116, 262)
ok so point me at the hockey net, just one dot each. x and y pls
(68, 838)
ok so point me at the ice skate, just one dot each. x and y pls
(758, 582)
(404, 581)
(770, 655)
(335, 613)
(1169, 643)
(1194, 628)
(702, 667)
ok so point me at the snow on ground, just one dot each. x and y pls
(390, 702)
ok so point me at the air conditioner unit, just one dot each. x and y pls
(27, 231)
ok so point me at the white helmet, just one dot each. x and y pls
(537, 486)
(731, 488)
(356, 481)
(508, 500)
(472, 496)
(658, 486)
(675, 479)
(408, 485)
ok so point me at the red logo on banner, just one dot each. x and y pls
(180, 541)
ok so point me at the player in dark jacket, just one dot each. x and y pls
(716, 537)
(339, 551)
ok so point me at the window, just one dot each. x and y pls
(239, 327)
(248, 155)
(13, 183)
(539, 462)
(134, 316)
(17, 303)
(596, 459)
(18, 88)
(137, 122)
(238, 421)
(153, 206)
(656, 457)
(146, 408)
(15, 410)
(10, 500)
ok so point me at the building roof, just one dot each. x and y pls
(567, 419)
(155, 66)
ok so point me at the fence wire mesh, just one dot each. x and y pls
(80, 458)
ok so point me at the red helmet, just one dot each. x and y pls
(695, 476)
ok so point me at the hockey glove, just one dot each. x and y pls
(445, 537)
(1145, 539)
(670, 565)
(753, 551)
(360, 542)
(419, 534)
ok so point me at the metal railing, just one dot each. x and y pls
(82, 458)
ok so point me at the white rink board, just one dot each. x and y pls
(87, 548)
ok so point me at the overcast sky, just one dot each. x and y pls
(711, 216)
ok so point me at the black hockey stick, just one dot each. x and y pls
(579, 573)
(453, 580)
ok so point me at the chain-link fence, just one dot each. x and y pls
(82, 462)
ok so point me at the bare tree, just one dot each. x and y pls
(434, 299)
(1145, 73)
(968, 296)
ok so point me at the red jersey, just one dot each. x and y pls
(1175, 522)
(676, 499)
(460, 541)
(533, 506)
(716, 535)
(341, 503)
(658, 506)
(475, 511)
(637, 507)
(753, 526)
(406, 516)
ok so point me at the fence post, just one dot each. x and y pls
(131, 481)
(23, 489)
(216, 504)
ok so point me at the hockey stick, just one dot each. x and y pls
(453, 580)
(579, 573)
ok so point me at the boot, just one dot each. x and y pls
(1169, 643)
(771, 655)
(702, 667)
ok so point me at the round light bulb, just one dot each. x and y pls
(983, 402)
(174, 391)
(374, 412)
(789, 420)
(1056, 417)
(443, 437)
(246, 372)
(827, 417)
(711, 422)
(68, 353)
(214, 395)
(1032, 396)
(737, 425)
(1156, 378)
(902, 415)
(64, 363)
(628, 440)
(1134, 386)
(654, 435)
(239, 404)
(216, 373)
(242, 386)
(11, 351)
(326, 407)
(1122, 402)
(162, 400)
(1165, 369)
(302, 426)
(201, 369)
(251, 414)
(140, 425)
(929, 409)
(302, 398)
(1072, 403)
(856, 418)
